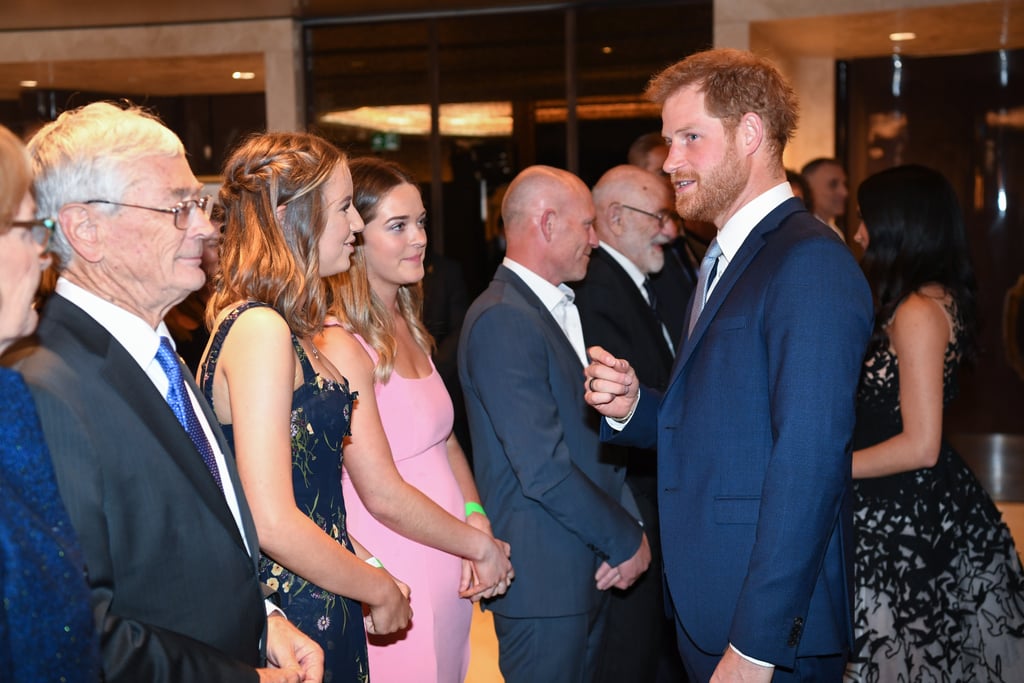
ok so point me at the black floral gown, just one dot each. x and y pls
(320, 420)
(939, 590)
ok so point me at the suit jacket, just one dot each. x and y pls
(674, 286)
(535, 452)
(175, 590)
(616, 316)
(753, 437)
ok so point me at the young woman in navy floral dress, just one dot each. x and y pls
(290, 221)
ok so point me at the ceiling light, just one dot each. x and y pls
(473, 119)
(901, 36)
(28, 84)
(607, 49)
(243, 75)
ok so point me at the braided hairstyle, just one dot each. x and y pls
(273, 199)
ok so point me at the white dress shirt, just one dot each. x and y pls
(559, 302)
(141, 342)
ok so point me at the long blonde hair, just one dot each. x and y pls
(357, 307)
(273, 199)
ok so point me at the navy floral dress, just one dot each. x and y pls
(320, 420)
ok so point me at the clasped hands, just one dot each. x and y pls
(492, 575)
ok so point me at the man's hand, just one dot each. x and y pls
(735, 669)
(293, 657)
(610, 384)
(626, 574)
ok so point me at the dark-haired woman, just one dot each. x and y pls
(939, 585)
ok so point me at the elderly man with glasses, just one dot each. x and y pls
(620, 312)
(149, 483)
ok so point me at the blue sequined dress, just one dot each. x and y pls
(46, 625)
(320, 420)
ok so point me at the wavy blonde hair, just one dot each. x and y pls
(357, 307)
(274, 215)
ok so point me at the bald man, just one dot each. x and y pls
(620, 314)
(569, 516)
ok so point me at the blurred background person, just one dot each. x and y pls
(285, 410)
(419, 509)
(801, 190)
(621, 313)
(187, 320)
(827, 181)
(46, 625)
(939, 585)
(648, 152)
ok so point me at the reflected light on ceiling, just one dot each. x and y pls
(28, 84)
(902, 36)
(473, 119)
(480, 119)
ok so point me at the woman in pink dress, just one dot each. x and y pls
(420, 510)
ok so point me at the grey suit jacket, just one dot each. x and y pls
(536, 448)
(175, 591)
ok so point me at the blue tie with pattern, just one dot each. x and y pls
(708, 268)
(179, 401)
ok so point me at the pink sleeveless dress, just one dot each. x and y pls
(417, 416)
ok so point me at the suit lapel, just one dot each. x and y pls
(134, 387)
(747, 251)
(563, 347)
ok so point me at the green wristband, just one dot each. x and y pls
(472, 507)
(374, 562)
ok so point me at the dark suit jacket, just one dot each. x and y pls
(175, 591)
(615, 315)
(535, 449)
(753, 437)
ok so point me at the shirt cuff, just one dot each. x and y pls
(273, 609)
(751, 659)
(620, 424)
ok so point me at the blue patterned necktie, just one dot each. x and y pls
(179, 401)
(708, 269)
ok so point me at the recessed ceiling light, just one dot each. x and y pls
(243, 75)
(901, 36)
(607, 49)
(28, 84)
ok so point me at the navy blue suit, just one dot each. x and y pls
(753, 437)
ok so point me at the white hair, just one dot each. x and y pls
(83, 155)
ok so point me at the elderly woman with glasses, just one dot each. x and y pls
(46, 628)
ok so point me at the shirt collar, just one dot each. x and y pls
(132, 332)
(549, 295)
(743, 222)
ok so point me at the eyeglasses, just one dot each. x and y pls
(184, 211)
(40, 228)
(663, 217)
